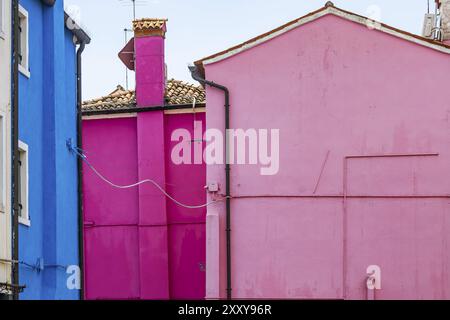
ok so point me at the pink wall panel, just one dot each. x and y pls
(408, 239)
(152, 207)
(151, 165)
(186, 182)
(396, 176)
(111, 268)
(287, 248)
(155, 247)
(187, 245)
(110, 214)
(333, 87)
(154, 263)
(107, 145)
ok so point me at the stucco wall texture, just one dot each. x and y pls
(336, 89)
(47, 121)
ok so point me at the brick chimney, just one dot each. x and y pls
(149, 36)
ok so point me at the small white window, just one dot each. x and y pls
(24, 216)
(23, 42)
(2, 19)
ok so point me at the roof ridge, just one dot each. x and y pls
(329, 8)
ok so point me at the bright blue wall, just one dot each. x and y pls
(47, 119)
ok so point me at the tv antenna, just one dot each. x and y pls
(134, 4)
(126, 31)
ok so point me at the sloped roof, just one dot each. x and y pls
(177, 93)
(329, 8)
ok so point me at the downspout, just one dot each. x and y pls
(197, 77)
(15, 151)
(80, 170)
(82, 39)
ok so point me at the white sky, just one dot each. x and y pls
(197, 28)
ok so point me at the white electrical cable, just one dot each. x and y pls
(140, 183)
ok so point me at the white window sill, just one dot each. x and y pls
(25, 222)
(24, 71)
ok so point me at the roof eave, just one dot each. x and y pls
(78, 32)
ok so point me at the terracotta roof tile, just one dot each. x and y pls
(177, 93)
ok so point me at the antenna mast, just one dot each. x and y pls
(126, 69)
(133, 4)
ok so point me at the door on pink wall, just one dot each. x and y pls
(398, 221)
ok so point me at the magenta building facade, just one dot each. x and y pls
(138, 243)
(364, 158)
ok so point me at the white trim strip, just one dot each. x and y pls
(186, 111)
(110, 116)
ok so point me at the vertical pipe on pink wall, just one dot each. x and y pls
(213, 255)
(196, 76)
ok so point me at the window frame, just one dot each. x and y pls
(24, 216)
(24, 64)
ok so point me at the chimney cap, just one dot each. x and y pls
(150, 27)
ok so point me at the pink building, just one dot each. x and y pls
(138, 243)
(362, 191)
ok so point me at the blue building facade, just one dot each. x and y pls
(48, 230)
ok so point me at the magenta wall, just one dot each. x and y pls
(335, 86)
(139, 245)
(187, 239)
(111, 216)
